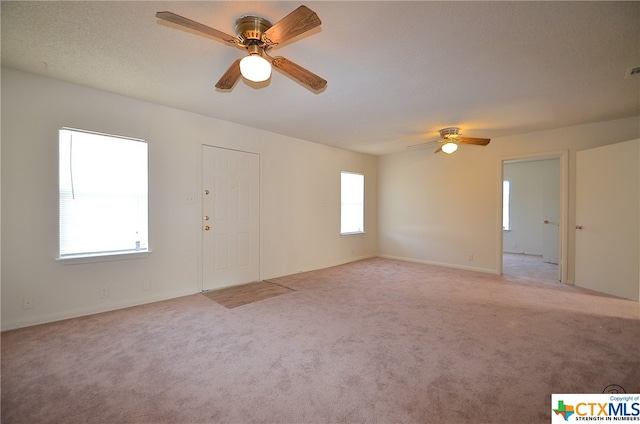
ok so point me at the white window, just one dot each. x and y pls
(103, 184)
(506, 198)
(351, 203)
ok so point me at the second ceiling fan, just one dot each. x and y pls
(257, 35)
(450, 137)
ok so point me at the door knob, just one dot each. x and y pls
(207, 228)
(206, 217)
(578, 227)
(545, 222)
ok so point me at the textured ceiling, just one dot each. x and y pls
(397, 72)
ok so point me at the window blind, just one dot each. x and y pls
(103, 194)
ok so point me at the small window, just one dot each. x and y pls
(103, 185)
(351, 203)
(506, 198)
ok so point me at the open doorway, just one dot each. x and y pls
(532, 218)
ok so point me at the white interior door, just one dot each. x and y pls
(551, 212)
(230, 217)
(608, 219)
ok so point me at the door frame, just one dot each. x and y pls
(200, 175)
(563, 157)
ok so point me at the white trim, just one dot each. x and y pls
(94, 258)
(104, 134)
(28, 321)
(442, 264)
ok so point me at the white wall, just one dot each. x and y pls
(526, 204)
(440, 209)
(300, 200)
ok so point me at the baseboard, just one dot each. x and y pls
(522, 253)
(356, 259)
(442, 264)
(96, 309)
(337, 263)
(81, 312)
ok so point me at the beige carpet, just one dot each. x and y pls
(376, 341)
(530, 268)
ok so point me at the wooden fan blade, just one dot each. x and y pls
(196, 26)
(229, 79)
(439, 149)
(295, 23)
(476, 141)
(298, 73)
(421, 145)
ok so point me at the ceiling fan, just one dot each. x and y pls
(257, 35)
(450, 137)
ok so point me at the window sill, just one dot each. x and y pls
(80, 259)
(355, 233)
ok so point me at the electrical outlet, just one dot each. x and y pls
(27, 302)
(189, 198)
(146, 285)
(470, 257)
(104, 292)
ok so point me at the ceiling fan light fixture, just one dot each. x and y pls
(255, 68)
(449, 147)
(257, 35)
(450, 133)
